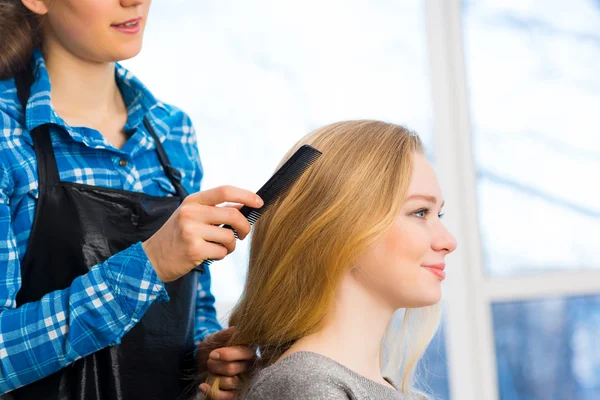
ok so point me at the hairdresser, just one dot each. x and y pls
(101, 218)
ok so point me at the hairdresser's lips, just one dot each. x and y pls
(437, 270)
(130, 27)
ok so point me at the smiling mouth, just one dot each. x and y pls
(133, 23)
(437, 270)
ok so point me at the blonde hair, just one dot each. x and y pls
(304, 245)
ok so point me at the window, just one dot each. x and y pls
(532, 84)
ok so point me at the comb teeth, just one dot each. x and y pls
(281, 181)
(277, 185)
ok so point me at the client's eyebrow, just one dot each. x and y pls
(428, 198)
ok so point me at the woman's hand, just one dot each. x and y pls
(192, 234)
(224, 362)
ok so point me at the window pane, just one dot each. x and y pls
(535, 95)
(548, 348)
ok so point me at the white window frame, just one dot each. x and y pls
(469, 293)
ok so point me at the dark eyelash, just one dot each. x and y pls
(425, 210)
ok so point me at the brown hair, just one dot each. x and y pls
(309, 239)
(20, 33)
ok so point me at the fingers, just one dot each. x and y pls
(218, 235)
(210, 251)
(190, 237)
(237, 353)
(228, 216)
(232, 205)
(225, 194)
(228, 368)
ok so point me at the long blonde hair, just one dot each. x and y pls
(304, 245)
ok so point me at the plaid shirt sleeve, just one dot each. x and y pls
(39, 338)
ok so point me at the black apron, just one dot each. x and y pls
(77, 226)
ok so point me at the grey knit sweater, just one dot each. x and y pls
(311, 376)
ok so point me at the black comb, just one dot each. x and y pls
(277, 185)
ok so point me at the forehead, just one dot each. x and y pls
(424, 179)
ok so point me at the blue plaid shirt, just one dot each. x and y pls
(38, 339)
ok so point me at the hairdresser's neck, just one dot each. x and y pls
(353, 331)
(81, 88)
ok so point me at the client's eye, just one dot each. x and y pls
(422, 213)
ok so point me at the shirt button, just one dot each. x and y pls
(123, 162)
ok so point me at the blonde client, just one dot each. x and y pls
(358, 237)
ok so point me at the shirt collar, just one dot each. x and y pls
(138, 99)
(39, 109)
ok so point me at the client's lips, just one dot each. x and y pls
(437, 270)
(129, 26)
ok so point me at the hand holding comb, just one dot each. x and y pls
(276, 186)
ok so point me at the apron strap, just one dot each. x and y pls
(23, 81)
(44, 153)
(172, 173)
(47, 169)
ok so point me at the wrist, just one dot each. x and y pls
(148, 248)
